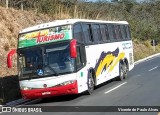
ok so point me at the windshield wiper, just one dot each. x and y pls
(52, 69)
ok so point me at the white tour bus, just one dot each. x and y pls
(72, 56)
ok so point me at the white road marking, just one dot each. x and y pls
(153, 68)
(138, 75)
(115, 87)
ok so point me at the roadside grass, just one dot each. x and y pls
(144, 49)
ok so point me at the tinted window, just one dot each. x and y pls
(78, 59)
(77, 33)
(45, 61)
(104, 32)
(81, 56)
(87, 33)
(123, 31)
(128, 32)
(96, 33)
(118, 32)
(107, 32)
(112, 34)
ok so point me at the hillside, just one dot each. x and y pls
(12, 21)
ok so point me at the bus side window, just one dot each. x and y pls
(123, 32)
(107, 33)
(78, 58)
(87, 33)
(77, 33)
(118, 32)
(112, 34)
(104, 33)
(96, 33)
(128, 32)
(81, 57)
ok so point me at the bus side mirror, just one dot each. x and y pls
(73, 49)
(9, 58)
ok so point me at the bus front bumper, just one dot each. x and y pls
(50, 92)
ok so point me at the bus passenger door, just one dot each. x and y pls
(81, 68)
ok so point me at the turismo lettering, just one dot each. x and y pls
(49, 37)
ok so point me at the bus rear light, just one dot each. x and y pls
(73, 50)
(9, 58)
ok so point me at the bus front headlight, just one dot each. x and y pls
(66, 83)
(25, 88)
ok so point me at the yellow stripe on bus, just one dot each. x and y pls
(105, 62)
(120, 56)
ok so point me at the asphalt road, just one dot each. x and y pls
(141, 88)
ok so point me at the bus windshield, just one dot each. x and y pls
(43, 61)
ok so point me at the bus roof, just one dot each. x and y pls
(66, 21)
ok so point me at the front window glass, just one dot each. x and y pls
(49, 60)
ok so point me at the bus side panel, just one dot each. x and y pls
(131, 58)
(105, 58)
(127, 47)
(100, 57)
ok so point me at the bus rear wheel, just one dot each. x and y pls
(125, 71)
(122, 71)
(90, 83)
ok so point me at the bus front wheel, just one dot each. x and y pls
(90, 83)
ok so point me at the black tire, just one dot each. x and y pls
(121, 72)
(90, 83)
(125, 71)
